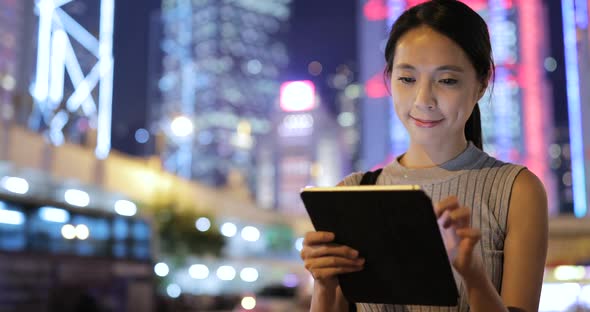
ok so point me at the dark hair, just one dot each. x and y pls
(465, 27)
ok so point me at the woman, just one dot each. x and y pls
(439, 62)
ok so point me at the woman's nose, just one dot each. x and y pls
(425, 97)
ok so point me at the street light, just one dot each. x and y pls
(15, 185)
(181, 126)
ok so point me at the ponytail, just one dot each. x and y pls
(473, 128)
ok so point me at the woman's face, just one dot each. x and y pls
(434, 86)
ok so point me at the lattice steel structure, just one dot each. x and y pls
(73, 79)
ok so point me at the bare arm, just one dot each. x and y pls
(525, 250)
(525, 247)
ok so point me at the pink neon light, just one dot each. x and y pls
(375, 10)
(475, 5)
(297, 96)
(534, 108)
(412, 3)
(375, 87)
(530, 78)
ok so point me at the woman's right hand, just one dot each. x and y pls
(325, 260)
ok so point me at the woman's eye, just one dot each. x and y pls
(406, 79)
(449, 81)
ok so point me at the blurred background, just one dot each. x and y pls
(152, 152)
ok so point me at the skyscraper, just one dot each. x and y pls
(16, 19)
(309, 143)
(221, 65)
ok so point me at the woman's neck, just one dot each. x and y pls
(426, 156)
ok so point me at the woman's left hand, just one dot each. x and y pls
(456, 219)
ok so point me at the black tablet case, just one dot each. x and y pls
(398, 235)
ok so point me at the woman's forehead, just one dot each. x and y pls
(424, 46)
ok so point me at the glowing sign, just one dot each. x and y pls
(375, 10)
(297, 96)
(296, 125)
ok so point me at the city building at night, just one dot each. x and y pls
(221, 66)
(154, 156)
(234, 75)
(16, 55)
(308, 146)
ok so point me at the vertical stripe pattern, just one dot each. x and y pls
(481, 183)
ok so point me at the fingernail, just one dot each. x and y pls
(360, 260)
(355, 253)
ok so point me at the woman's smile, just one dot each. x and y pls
(426, 123)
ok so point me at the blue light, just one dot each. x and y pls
(54, 51)
(58, 57)
(41, 84)
(396, 8)
(12, 217)
(78, 80)
(85, 38)
(574, 108)
(105, 51)
(581, 13)
(173, 290)
(399, 138)
(52, 214)
(142, 135)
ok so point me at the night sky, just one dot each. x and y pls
(323, 31)
(557, 78)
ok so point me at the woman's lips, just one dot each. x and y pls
(426, 123)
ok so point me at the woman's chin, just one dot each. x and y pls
(428, 139)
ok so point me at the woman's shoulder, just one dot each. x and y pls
(488, 161)
(528, 187)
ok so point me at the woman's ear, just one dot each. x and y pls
(484, 86)
(482, 91)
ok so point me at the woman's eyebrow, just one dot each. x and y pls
(454, 68)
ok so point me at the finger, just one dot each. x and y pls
(328, 250)
(469, 233)
(331, 272)
(332, 262)
(469, 238)
(314, 238)
(449, 203)
(325, 250)
(460, 217)
(466, 246)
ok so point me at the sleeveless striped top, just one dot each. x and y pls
(480, 182)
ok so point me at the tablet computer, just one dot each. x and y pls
(395, 229)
